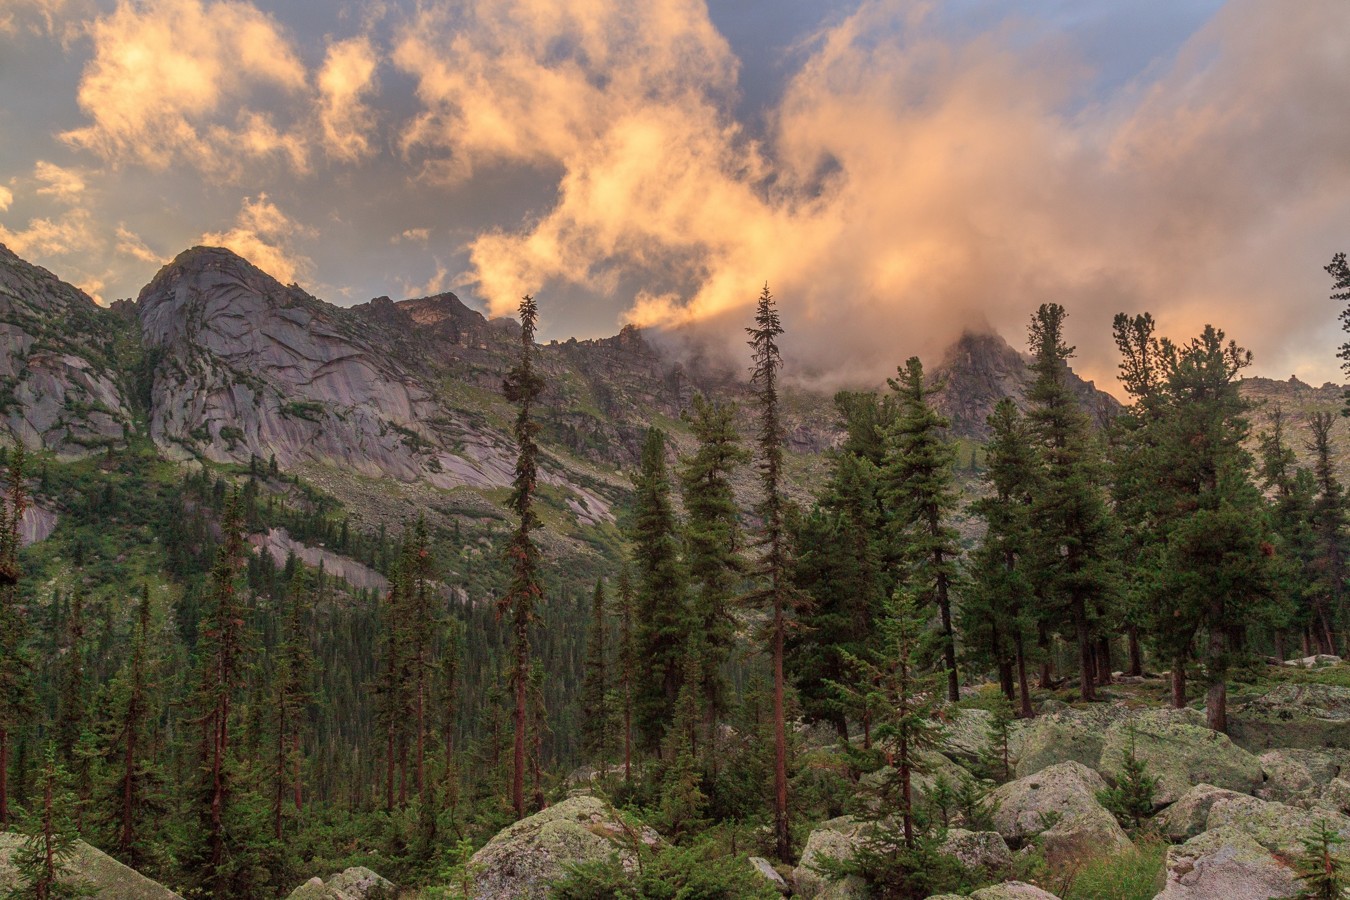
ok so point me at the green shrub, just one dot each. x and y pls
(1130, 875)
(701, 871)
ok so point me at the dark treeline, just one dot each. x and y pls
(231, 725)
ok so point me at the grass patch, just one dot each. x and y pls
(1131, 875)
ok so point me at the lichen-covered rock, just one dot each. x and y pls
(1189, 815)
(1336, 795)
(355, 883)
(108, 878)
(1317, 661)
(1278, 827)
(1296, 776)
(1012, 890)
(770, 874)
(965, 735)
(1070, 735)
(1058, 804)
(834, 839)
(1309, 716)
(1180, 752)
(978, 849)
(522, 860)
(1226, 864)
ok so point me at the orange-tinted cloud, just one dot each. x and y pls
(170, 80)
(345, 80)
(265, 236)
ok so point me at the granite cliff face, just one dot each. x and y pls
(60, 387)
(218, 360)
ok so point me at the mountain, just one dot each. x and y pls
(218, 361)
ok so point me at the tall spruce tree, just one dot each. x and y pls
(1000, 611)
(918, 483)
(291, 695)
(712, 540)
(625, 607)
(1291, 490)
(43, 863)
(663, 616)
(133, 798)
(1071, 567)
(15, 666)
(775, 592)
(596, 716)
(1328, 519)
(523, 386)
(1339, 270)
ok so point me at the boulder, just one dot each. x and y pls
(834, 839)
(978, 849)
(1189, 815)
(1278, 827)
(1058, 804)
(1071, 735)
(770, 874)
(108, 878)
(1226, 864)
(1296, 776)
(1336, 795)
(355, 883)
(933, 764)
(1308, 716)
(521, 860)
(965, 737)
(1180, 752)
(1013, 890)
(1316, 661)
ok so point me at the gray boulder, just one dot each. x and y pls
(1308, 716)
(770, 874)
(105, 876)
(834, 839)
(1296, 776)
(1278, 827)
(1336, 795)
(1070, 735)
(1059, 806)
(522, 860)
(1317, 661)
(978, 849)
(1189, 815)
(1013, 890)
(1226, 864)
(1180, 752)
(355, 883)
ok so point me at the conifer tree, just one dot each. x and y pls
(1328, 519)
(918, 483)
(596, 716)
(15, 685)
(393, 704)
(625, 606)
(421, 631)
(712, 541)
(72, 705)
(663, 618)
(452, 653)
(1000, 611)
(1071, 568)
(43, 862)
(133, 795)
(1339, 270)
(291, 695)
(775, 564)
(1291, 490)
(523, 386)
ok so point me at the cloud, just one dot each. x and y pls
(62, 19)
(131, 244)
(438, 283)
(344, 81)
(170, 81)
(66, 185)
(264, 235)
(71, 234)
(911, 183)
(414, 235)
(6, 198)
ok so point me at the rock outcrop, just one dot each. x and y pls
(1278, 827)
(1058, 806)
(1226, 864)
(834, 839)
(521, 861)
(978, 849)
(1070, 735)
(1306, 716)
(1180, 752)
(107, 878)
(60, 385)
(1189, 815)
(355, 883)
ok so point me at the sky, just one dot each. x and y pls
(895, 170)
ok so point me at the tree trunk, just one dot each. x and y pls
(1043, 643)
(4, 777)
(518, 758)
(948, 635)
(1086, 690)
(1136, 657)
(1216, 699)
(782, 835)
(1179, 682)
(1279, 647)
(1027, 712)
(299, 781)
(906, 796)
(1104, 666)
